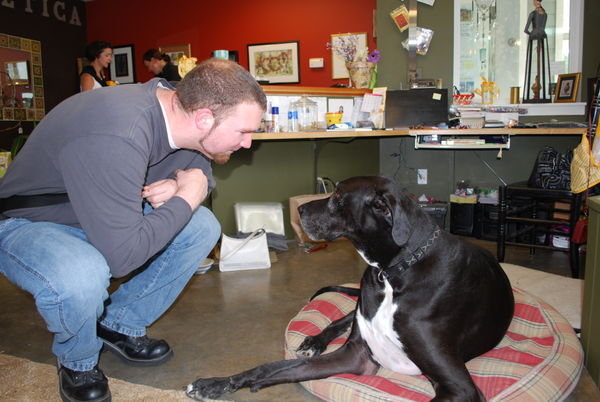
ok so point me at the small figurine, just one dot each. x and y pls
(537, 22)
(536, 87)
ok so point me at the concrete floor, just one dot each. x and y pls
(225, 323)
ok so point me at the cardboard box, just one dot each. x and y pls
(560, 214)
(295, 202)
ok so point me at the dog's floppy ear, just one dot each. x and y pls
(398, 219)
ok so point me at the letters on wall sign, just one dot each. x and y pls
(64, 11)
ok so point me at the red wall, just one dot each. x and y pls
(232, 25)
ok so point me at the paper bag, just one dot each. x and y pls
(295, 202)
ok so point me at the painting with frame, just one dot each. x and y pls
(277, 63)
(567, 86)
(122, 68)
(338, 64)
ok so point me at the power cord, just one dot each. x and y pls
(401, 161)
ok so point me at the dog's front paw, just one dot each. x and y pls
(311, 346)
(210, 388)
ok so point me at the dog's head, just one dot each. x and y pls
(371, 212)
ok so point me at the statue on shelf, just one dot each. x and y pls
(536, 30)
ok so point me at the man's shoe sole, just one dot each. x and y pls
(136, 362)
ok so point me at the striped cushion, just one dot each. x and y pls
(539, 359)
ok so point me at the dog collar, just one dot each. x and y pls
(412, 259)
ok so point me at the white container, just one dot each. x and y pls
(250, 216)
(560, 241)
(472, 122)
(308, 113)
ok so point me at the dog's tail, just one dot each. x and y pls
(339, 289)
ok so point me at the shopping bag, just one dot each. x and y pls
(580, 232)
(585, 172)
(241, 254)
(551, 170)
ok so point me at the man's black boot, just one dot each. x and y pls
(89, 386)
(135, 350)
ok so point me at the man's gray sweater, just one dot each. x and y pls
(101, 147)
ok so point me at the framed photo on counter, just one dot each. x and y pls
(278, 63)
(567, 87)
(122, 68)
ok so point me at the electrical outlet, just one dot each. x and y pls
(421, 176)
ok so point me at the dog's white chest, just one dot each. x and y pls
(383, 341)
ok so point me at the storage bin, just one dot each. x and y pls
(486, 222)
(437, 211)
(462, 217)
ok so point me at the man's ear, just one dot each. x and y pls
(204, 120)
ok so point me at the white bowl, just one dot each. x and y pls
(205, 266)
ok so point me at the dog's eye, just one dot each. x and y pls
(381, 207)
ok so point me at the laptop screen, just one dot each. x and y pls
(416, 107)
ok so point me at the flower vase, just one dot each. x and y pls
(360, 73)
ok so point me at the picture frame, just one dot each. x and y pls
(567, 87)
(277, 62)
(338, 64)
(122, 68)
(176, 51)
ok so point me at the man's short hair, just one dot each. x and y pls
(218, 85)
(155, 54)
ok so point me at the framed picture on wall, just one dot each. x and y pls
(277, 63)
(567, 87)
(176, 51)
(122, 68)
(345, 43)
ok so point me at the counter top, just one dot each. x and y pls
(415, 132)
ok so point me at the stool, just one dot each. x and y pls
(525, 213)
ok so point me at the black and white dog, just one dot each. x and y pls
(428, 301)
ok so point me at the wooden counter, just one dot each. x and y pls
(410, 132)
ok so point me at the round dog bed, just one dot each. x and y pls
(539, 359)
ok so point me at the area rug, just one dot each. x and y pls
(24, 380)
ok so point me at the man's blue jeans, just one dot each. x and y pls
(69, 278)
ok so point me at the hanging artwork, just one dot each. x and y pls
(344, 48)
(277, 63)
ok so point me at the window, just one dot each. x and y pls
(490, 42)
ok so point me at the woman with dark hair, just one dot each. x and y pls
(160, 65)
(99, 54)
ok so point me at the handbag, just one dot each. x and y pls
(551, 170)
(585, 168)
(585, 171)
(242, 254)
